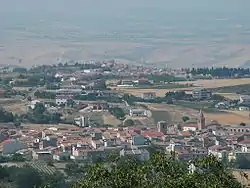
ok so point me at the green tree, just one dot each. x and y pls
(185, 118)
(128, 122)
(160, 171)
(17, 157)
(6, 116)
(117, 112)
(243, 124)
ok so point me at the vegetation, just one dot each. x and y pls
(222, 72)
(45, 95)
(185, 118)
(52, 86)
(160, 171)
(117, 112)
(32, 81)
(243, 124)
(164, 78)
(39, 115)
(6, 116)
(27, 177)
(129, 122)
(14, 158)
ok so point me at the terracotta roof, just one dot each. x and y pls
(152, 134)
(6, 141)
(246, 141)
(185, 133)
(191, 125)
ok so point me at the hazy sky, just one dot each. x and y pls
(111, 5)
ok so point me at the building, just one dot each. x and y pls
(33, 104)
(245, 100)
(138, 140)
(46, 155)
(201, 93)
(190, 127)
(82, 121)
(149, 95)
(62, 100)
(12, 146)
(162, 126)
(202, 121)
(238, 129)
(138, 112)
(139, 154)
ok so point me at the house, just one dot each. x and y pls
(245, 100)
(243, 108)
(219, 151)
(44, 155)
(126, 83)
(62, 100)
(153, 135)
(190, 127)
(96, 144)
(61, 156)
(82, 121)
(33, 103)
(162, 126)
(201, 93)
(138, 112)
(139, 154)
(222, 105)
(238, 129)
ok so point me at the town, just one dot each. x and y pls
(85, 112)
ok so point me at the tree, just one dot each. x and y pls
(243, 124)
(27, 178)
(39, 108)
(128, 122)
(17, 157)
(6, 116)
(185, 118)
(160, 171)
(117, 112)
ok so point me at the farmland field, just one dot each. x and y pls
(211, 84)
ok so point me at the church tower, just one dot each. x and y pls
(202, 121)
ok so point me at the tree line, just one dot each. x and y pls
(160, 171)
(220, 71)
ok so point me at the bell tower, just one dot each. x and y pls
(202, 121)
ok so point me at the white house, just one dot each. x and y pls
(138, 112)
(190, 127)
(33, 104)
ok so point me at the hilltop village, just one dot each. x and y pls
(85, 112)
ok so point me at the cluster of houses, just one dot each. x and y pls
(62, 143)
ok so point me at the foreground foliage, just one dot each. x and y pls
(160, 171)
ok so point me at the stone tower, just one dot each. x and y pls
(202, 121)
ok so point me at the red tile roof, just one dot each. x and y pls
(246, 141)
(191, 125)
(185, 133)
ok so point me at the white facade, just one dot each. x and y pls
(189, 128)
(61, 101)
(138, 112)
